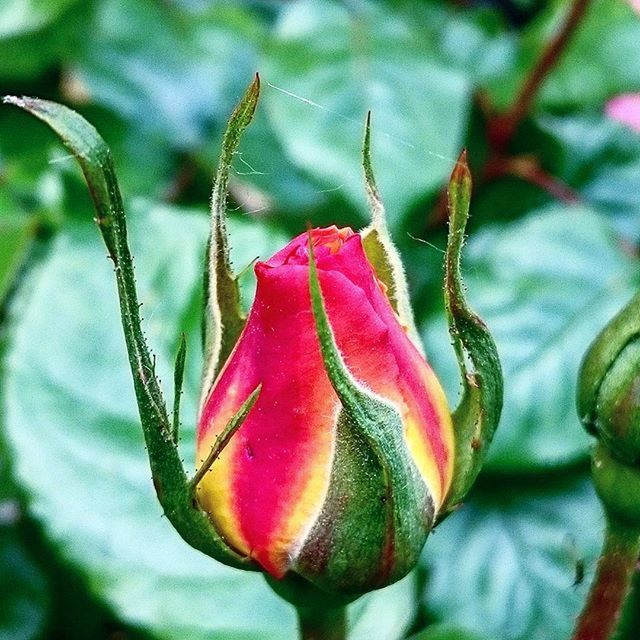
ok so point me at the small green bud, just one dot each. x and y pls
(609, 386)
(618, 415)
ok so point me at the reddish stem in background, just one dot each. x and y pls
(182, 181)
(503, 127)
(527, 167)
(601, 613)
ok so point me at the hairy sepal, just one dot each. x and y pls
(223, 319)
(476, 417)
(169, 478)
(378, 511)
(380, 250)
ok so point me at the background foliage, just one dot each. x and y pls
(553, 253)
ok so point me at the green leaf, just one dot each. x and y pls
(599, 158)
(546, 286)
(30, 176)
(52, 25)
(630, 620)
(146, 166)
(474, 41)
(173, 72)
(20, 16)
(16, 235)
(24, 589)
(350, 60)
(73, 427)
(505, 565)
(445, 632)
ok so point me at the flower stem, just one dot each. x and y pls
(611, 584)
(322, 623)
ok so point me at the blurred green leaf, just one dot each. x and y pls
(39, 175)
(27, 179)
(146, 166)
(590, 154)
(72, 423)
(495, 202)
(172, 72)
(172, 75)
(601, 160)
(20, 16)
(23, 613)
(24, 589)
(445, 632)
(35, 35)
(338, 62)
(630, 620)
(472, 40)
(16, 234)
(545, 285)
(598, 62)
(505, 565)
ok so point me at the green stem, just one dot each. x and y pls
(319, 623)
(611, 584)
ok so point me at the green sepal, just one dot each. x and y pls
(378, 511)
(478, 413)
(225, 437)
(379, 247)
(169, 479)
(223, 319)
(178, 377)
(609, 385)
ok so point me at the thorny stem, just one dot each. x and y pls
(322, 623)
(503, 128)
(611, 584)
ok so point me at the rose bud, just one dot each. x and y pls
(609, 408)
(609, 385)
(326, 449)
(301, 486)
